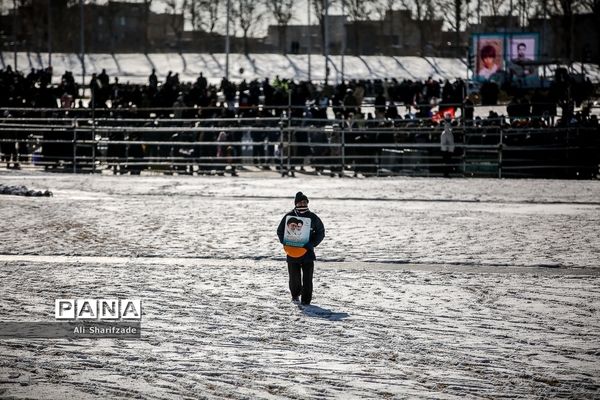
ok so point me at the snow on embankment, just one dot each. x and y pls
(136, 67)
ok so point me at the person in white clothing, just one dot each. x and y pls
(447, 147)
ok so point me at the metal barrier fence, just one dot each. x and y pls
(216, 146)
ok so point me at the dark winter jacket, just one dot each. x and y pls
(317, 233)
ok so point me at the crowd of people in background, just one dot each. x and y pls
(392, 99)
(358, 105)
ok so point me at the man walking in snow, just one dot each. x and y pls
(301, 260)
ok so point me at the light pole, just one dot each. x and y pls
(326, 40)
(49, 33)
(227, 41)
(15, 33)
(344, 37)
(82, 46)
(308, 29)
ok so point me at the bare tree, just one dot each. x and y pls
(282, 11)
(147, 4)
(357, 10)
(424, 10)
(5, 5)
(591, 5)
(540, 8)
(523, 12)
(193, 11)
(453, 11)
(247, 14)
(594, 7)
(176, 9)
(209, 14)
(478, 9)
(319, 9)
(32, 22)
(494, 7)
(565, 8)
(382, 8)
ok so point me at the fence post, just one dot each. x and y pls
(464, 155)
(289, 134)
(289, 152)
(500, 153)
(93, 137)
(567, 155)
(75, 146)
(94, 155)
(342, 150)
(281, 148)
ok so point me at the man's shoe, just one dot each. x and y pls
(296, 299)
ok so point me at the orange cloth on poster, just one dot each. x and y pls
(295, 252)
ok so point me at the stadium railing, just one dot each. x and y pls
(288, 144)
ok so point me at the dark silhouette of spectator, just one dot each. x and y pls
(153, 80)
(468, 111)
(489, 94)
(9, 148)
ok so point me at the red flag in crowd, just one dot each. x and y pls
(443, 113)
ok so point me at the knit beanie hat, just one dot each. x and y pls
(299, 197)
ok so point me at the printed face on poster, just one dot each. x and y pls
(490, 54)
(523, 48)
(523, 51)
(297, 231)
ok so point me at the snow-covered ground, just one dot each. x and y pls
(417, 220)
(424, 288)
(136, 67)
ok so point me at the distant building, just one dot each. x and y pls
(205, 42)
(396, 34)
(125, 26)
(117, 26)
(165, 31)
(498, 23)
(299, 38)
(294, 39)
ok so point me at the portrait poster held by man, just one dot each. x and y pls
(297, 231)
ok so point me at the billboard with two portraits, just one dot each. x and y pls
(501, 56)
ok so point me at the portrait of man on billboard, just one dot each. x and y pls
(522, 54)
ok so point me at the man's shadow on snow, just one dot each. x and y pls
(319, 312)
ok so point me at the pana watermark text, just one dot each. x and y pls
(98, 309)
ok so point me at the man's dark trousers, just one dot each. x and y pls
(301, 284)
